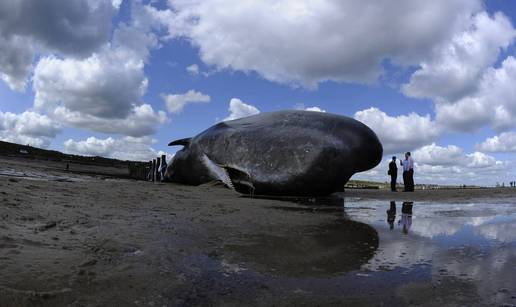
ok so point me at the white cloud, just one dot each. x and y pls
(480, 160)
(434, 155)
(193, 69)
(103, 92)
(126, 148)
(141, 121)
(493, 103)
(307, 42)
(176, 102)
(399, 133)
(28, 128)
(505, 142)
(301, 106)
(455, 70)
(238, 109)
(467, 90)
(437, 155)
(105, 85)
(16, 53)
(454, 43)
(73, 27)
(76, 28)
(315, 109)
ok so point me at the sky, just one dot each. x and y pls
(123, 78)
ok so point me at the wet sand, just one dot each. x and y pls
(76, 240)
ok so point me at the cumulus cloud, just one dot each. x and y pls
(193, 69)
(126, 148)
(315, 109)
(105, 85)
(103, 92)
(303, 42)
(141, 121)
(72, 27)
(238, 109)
(492, 104)
(457, 67)
(16, 53)
(399, 133)
(434, 155)
(75, 28)
(28, 128)
(468, 91)
(301, 106)
(437, 155)
(454, 44)
(176, 102)
(505, 142)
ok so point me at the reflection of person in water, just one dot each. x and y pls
(406, 216)
(391, 215)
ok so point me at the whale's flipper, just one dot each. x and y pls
(218, 172)
(233, 177)
(184, 142)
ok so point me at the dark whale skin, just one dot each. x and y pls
(296, 153)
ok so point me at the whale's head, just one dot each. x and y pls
(367, 150)
(188, 165)
(361, 146)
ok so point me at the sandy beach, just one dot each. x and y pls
(70, 239)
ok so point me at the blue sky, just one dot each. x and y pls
(124, 78)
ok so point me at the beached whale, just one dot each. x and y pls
(298, 153)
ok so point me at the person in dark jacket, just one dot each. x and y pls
(393, 171)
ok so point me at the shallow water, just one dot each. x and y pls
(393, 253)
(470, 243)
(35, 175)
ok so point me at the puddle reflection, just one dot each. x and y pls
(322, 251)
(460, 253)
(474, 244)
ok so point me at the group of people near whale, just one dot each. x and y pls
(408, 173)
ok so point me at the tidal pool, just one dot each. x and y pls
(470, 245)
(390, 253)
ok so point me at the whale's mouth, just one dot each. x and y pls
(241, 180)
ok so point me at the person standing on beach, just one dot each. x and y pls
(393, 171)
(408, 173)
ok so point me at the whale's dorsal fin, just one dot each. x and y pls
(184, 142)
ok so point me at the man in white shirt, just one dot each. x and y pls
(408, 173)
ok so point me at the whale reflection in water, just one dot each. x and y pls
(324, 250)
